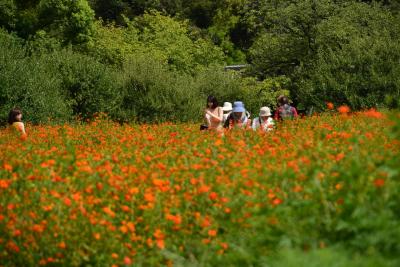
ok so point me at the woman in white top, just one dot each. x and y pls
(213, 114)
(264, 122)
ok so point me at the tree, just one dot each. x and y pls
(357, 61)
(72, 21)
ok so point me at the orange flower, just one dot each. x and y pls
(12, 246)
(5, 184)
(114, 256)
(277, 201)
(7, 167)
(67, 201)
(213, 196)
(123, 229)
(160, 243)
(374, 114)
(330, 105)
(344, 109)
(108, 211)
(127, 261)
(379, 182)
(212, 232)
(158, 234)
(174, 218)
(62, 245)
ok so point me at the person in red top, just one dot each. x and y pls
(285, 110)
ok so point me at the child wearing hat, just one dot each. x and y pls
(264, 121)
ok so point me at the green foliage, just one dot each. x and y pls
(256, 94)
(225, 21)
(90, 86)
(28, 83)
(171, 41)
(357, 60)
(7, 14)
(336, 51)
(70, 21)
(325, 257)
(153, 93)
(160, 38)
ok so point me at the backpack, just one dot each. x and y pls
(286, 112)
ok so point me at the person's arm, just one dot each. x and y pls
(219, 117)
(248, 124)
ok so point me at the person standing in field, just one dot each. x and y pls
(264, 121)
(15, 121)
(285, 110)
(213, 114)
(238, 117)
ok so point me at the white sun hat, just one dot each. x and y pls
(265, 111)
(227, 106)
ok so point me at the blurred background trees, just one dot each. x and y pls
(161, 54)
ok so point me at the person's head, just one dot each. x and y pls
(227, 107)
(14, 115)
(238, 110)
(265, 113)
(212, 102)
(282, 100)
(237, 115)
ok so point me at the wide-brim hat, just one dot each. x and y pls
(227, 106)
(265, 111)
(238, 106)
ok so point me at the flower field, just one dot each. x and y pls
(324, 188)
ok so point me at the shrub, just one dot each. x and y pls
(29, 83)
(90, 86)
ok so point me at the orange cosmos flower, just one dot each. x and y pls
(160, 243)
(277, 201)
(62, 245)
(212, 232)
(379, 182)
(97, 236)
(114, 256)
(12, 246)
(108, 211)
(123, 229)
(5, 184)
(7, 167)
(344, 109)
(213, 196)
(329, 105)
(374, 114)
(174, 218)
(67, 201)
(158, 234)
(127, 261)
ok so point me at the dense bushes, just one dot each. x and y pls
(155, 67)
(29, 83)
(344, 52)
(62, 84)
